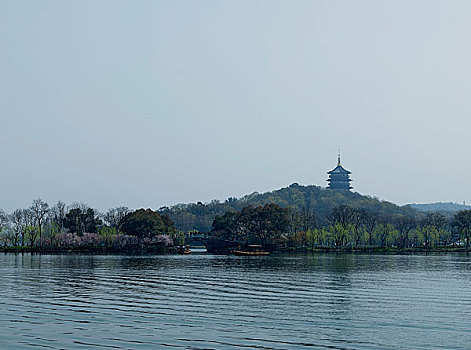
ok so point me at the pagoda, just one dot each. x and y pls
(339, 178)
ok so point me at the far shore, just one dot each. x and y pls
(159, 250)
(379, 250)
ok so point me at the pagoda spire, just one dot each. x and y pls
(338, 163)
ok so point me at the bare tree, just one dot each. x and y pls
(18, 219)
(462, 222)
(371, 221)
(435, 219)
(78, 205)
(342, 215)
(57, 214)
(404, 224)
(31, 230)
(4, 220)
(308, 218)
(39, 208)
(114, 216)
(358, 219)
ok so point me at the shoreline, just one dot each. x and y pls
(159, 250)
(378, 250)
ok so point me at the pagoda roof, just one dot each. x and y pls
(339, 170)
(338, 180)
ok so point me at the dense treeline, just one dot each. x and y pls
(78, 226)
(314, 199)
(276, 227)
(306, 217)
(264, 225)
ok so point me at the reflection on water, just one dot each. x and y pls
(201, 301)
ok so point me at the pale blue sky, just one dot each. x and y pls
(150, 103)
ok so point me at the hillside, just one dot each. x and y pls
(199, 216)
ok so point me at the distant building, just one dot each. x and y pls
(339, 178)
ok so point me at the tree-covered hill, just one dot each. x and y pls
(317, 200)
(441, 207)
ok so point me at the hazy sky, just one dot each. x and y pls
(151, 103)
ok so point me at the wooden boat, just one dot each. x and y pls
(251, 250)
(184, 249)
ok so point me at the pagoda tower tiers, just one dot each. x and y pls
(339, 178)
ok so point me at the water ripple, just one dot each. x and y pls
(220, 302)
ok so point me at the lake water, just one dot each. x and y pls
(201, 301)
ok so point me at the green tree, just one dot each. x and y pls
(444, 236)
(227, 227)
(146, 223)
(179, 237)
(51, 230)
(416, 237)
(340, 234)
(82, 219)
(264, 224)
(429, 235)
(32, 234)
(386, 234)
(437, 228)
(107, 234)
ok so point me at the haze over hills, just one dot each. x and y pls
(316, 199)
(440, 206)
